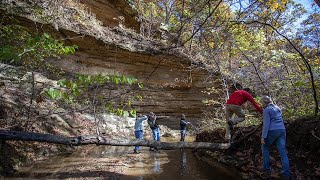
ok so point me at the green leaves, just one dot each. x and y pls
(89, 88)
(53, 94)
(139, 97)
(140, 85)
(46, 35)
(20, 45)
(133, 112)
(7, 54)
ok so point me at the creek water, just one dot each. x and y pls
(110, 162)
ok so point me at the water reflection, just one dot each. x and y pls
(183, 162)
(157, 168)
(117, 161)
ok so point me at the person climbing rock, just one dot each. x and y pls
(183, 127)
(233, 106)
(273, 131)
(154, 127)
(138, 130)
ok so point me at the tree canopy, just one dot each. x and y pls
(254, 42)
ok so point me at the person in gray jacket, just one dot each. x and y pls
(273, 132)
(138, 130)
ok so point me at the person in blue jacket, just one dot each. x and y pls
(273, 132)
(138, 130)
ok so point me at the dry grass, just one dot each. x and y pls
(212, 121)
(74, 16)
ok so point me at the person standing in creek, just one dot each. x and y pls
(138, 130)
(154, 127)
(273, 131)
(183, 127)
(233, 106)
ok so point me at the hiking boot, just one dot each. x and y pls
(230, 123)
(136, 151)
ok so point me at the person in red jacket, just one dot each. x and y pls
(233, 106)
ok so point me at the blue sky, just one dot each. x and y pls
(307, 4)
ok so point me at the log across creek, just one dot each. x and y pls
(101, 140)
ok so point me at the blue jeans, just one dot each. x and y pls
(156, 134)
(183, 134)
(279, 138)
(139, 135)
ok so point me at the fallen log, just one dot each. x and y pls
(100, 140)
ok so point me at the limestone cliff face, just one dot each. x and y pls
(171, 85)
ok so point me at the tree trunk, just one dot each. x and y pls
(100, 140)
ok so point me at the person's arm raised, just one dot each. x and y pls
(255, 104)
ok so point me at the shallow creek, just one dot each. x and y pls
(111, 162)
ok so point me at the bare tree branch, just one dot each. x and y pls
(207, 18)
(255, 69)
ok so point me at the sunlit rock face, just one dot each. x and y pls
(113, 12)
